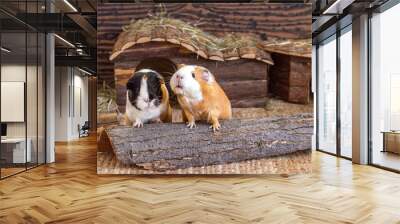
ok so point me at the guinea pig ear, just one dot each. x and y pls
(178, 66)
(161, 79)
(206, 75)
(129, 84)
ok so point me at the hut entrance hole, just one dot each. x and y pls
(165, 67)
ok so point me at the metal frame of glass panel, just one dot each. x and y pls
(389, 4)
(39, 54)
(337, 35)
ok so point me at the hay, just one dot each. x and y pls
(198, 38)
(160, 27)
(106, 99)
(299, 48)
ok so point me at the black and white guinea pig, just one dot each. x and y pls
(147, 98)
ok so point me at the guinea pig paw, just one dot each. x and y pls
(138, 124)
(215, 127)
(191, 125)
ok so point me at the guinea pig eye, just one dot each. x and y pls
(193, 74)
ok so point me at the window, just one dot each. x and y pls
(22, 101)
(346, 92)
(335, 74)
(327, 95)
(385, 89)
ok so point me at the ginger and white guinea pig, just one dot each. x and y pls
(200, 96)
(147, 98)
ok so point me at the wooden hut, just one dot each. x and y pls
(290, 77)
(239, 65)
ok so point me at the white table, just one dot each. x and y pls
(18, 150)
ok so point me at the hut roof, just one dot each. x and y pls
(299, 48)
(160, 28)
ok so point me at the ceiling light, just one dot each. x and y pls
(64, 40)
(84, 71)
(337, 7)
(70, 5)
(5, 50)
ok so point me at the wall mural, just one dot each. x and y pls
(204, 88)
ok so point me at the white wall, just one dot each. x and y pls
(70, 83)
(62, 81)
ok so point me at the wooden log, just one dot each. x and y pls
(103, 141)
(156, 147)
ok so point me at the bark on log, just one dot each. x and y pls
(157, 147)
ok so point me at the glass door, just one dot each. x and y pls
(14, 156)
(22, 77)
(385, 89)
(345, 93)
(326, 98)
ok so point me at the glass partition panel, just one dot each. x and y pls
(346, 92)
(23, 88)
(41, 98)
(31, 98)
(14, 153)
(385, 89)
(327, 95)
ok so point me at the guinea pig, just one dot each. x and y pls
(147, 98)
(200, 96)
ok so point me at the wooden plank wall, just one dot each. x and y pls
(290, 78)
(248, 76)
(265, 20)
